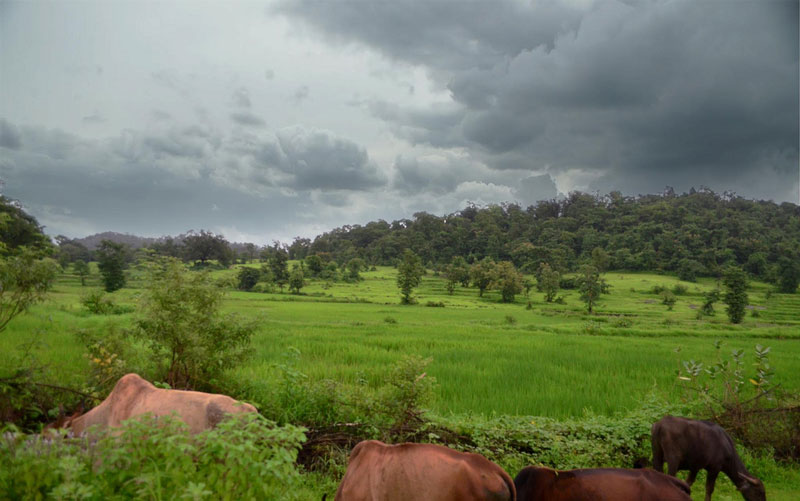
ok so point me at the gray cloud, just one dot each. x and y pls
(247, 119)
(630, 94)
(300, 94)
(9, 135)
(241, 98)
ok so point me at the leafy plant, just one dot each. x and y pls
(179, 320)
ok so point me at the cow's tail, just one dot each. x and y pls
(512, 489)
(324, 496)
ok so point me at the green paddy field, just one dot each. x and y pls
(489, 359)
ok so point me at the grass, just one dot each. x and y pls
(489, 358)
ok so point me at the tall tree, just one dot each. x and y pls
(296, 279)
(81, 269)
(112, 261)
(735, 282)
(278, 263)
(548, 281)
(205, 246)
(409, 274)
(590, 286)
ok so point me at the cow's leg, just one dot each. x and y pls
(711, 479)
(692, 477)
(672, 466)
(658, 458)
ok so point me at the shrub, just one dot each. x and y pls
(390, 320)
(248, 278)
(748, 405)
(179, 320)
(435, 304)
(511, 320)
(245, 457)
(99, 303)
(679, 289)
(668, 299)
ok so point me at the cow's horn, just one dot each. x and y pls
(752, 480)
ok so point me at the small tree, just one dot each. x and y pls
(179, 320)
(248, 278)
(460, 271)
(296, 279)
(482, 273)
(508, 280)
(25, 278)
(548, 281)
(409, 274)
(735, 282)
(354, 267)
(81, 269)
(112, 261)
(668, 299)
(590, 285)
(279, 266)
(709, 298)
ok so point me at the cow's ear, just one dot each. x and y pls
(752, 480)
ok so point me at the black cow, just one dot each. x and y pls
(687, 444)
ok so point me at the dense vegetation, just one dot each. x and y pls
(480, 360)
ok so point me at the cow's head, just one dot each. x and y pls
(752, 488)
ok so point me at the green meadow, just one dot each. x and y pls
(489, 359)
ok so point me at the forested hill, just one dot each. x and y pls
(693, 234)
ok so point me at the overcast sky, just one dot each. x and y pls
(269, 120)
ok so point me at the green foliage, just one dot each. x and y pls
(278, 264)
(600, 259)
(205, 246)
(19, 229)
(590, 286)
(314, 265)
(178, 319)
(296, 280)
(679, 289)
(99, 303)
(112, 261)
(409, 389)
(409, 275)
(746, 402)
(354, 267)
(508, 280)
(548, 280)
(735, 282)
(482, 274)
(107, 352)
(247, 278)
(689, 269)
(81, 268)
(788, 274)
(244, 457)
(457, 272)
(709, 298)
(25, 278)
(668, 299)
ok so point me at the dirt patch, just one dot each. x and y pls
(692, 306)
(649, 301)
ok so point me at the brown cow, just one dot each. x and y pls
(599, 484)
(408, 472)
(133, 396)
(688, 444)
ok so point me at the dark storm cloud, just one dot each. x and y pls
(318, 159)
(9, 135)
(247, 119)
(628, 94)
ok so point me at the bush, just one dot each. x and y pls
(668, 299)
(435, 304)
(99, 303)
(248, 278)
(245, 457)
(679, 289)
(179, 320)
(748, 405)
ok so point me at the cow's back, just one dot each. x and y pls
(599, 484)
(133, 396)
(692, 444)
(421, 472)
